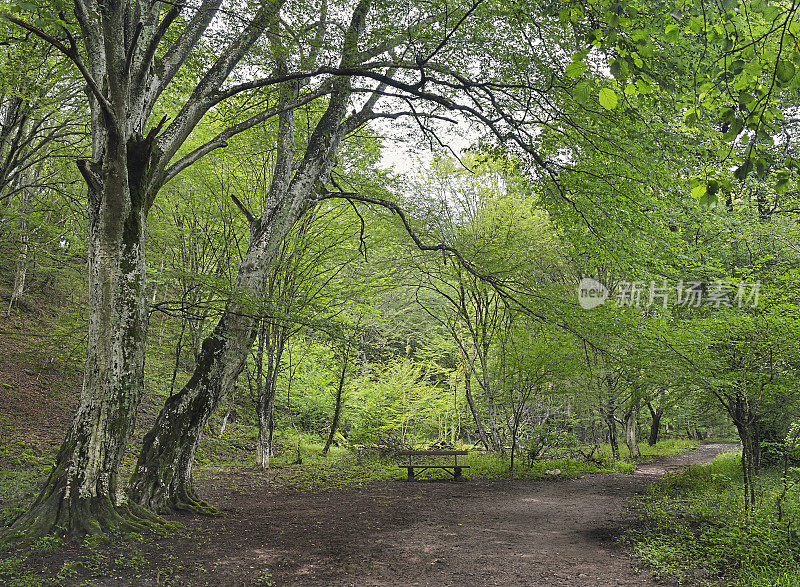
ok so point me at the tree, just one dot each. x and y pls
(128, 59)
(40, 119)
(420, 61)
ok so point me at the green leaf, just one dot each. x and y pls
(726, 115)
(576, 69)
(699, 191)
(761, 167)
(581, 92)
(743, 170)
(619, 69)
(672, 32)
(736, 126)
(709, 200)
(785, 70)
(608, 98)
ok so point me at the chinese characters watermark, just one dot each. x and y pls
(690, 294)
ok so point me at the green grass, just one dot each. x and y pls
(355, 468)
(697, 531)
(664, 448)
(490, 466)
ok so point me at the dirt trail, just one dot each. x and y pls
(559, 532)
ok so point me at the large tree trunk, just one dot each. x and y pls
(84, 492)
(162, 480)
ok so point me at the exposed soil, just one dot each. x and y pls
(424, 532)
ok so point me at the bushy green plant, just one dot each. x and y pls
(698, 529)
(398, 405)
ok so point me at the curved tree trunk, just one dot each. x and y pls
(162, 480)
(337, 409)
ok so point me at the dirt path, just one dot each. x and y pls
(426, 533)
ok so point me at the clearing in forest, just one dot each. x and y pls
(436, 532)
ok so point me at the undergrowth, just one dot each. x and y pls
(663, 448)
(344, 468)
(697, 531)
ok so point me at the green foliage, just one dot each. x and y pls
(664, 448)
(24, 469)
(494, 466)
(399, 406)
(698, 530)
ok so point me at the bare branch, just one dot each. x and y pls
(72, 53)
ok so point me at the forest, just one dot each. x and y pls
(253, 253)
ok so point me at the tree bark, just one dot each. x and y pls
(655, 425)
(631, 422)
(338, 407)
(162, 480)
(84, 492)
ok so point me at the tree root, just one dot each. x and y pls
(79, 517)
(188, 501)
(166, 500)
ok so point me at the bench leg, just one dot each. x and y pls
(457, 473)
(410, 473)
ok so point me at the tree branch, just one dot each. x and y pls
(72, 53)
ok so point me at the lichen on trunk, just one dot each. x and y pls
(83, 493)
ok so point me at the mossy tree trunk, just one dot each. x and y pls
(84, 492)
(162, 479)
(127, 59)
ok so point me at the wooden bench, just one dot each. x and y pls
(454, 469)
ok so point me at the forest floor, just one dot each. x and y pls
(476, 532)
(423, 532)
